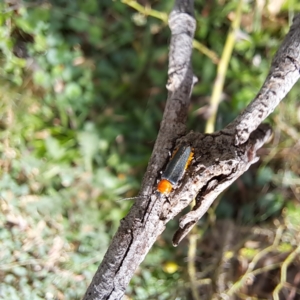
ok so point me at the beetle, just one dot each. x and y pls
(175, 169)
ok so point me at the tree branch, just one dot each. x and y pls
(140, 228)
(283, 74)
(219, 158)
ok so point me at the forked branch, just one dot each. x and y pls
(219, 158)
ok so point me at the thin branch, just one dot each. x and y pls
(206, 51)
(148, 11)
(284, 73)
(237, 285)
(222, 69)
(191, 264)
(283, 272)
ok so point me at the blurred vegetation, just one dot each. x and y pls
(82, 88)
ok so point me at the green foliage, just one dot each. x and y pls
(83, 91)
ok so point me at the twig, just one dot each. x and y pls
(236, 286)
(206, 51)
(283, 273)
(284, 73)
(191, 264)
(222, 69)
(148, 11)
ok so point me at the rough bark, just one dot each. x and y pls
(219, 159)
